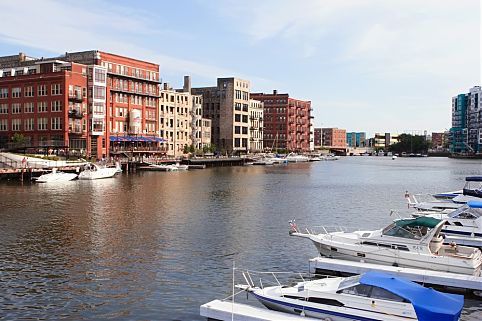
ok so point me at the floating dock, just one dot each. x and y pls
(227, 311)
(450, 282)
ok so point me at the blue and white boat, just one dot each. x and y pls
(372, 296)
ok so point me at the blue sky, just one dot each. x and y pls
(366, 65)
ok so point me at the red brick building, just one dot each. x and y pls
(80, 101)
(438, 140)
(334, 138)
(286, 121)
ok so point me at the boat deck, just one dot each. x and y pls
(227, 311)
(449, 281)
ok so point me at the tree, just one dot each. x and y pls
(410, 144)
(192, 149)
(19, 140)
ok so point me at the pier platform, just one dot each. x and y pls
(450, 282)
(227, 311)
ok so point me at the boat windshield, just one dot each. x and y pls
(350, 281)
(405, 232)
(466, 213)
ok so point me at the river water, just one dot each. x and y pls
(155, 246)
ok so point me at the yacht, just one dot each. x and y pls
(160, 168)
(370, 296)
(330, 157)
(463, 226)
(94, 171)
(410, 242)
(56, 176)
(296, 158)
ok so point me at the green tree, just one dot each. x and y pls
(19, 140)
(410, 144)
(186, 149)
(192, 149)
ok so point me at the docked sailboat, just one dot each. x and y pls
(411, 242)
(371, 296)
(296, 158)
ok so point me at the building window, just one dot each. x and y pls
(237, 142)
(99, 75)
(245, 118)
(42, 107)
(56, 89)
(3, 92)
(42, 123)
(237, 117)
(42, 90)
(16, 108)
(245, 130)
(237, 129)
(16, 92)
(16, 123)
(28, 124)
(3, 108)
(56, 106)
(3, 125)
(56, 123)
(28, 91)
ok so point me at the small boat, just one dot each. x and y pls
(56, 176)
(263, 161)
(181, 167)
(295, 158)
(463, 226)
(394, 157)
(94, 171)
(160, 168)
(370, 296)
(410, 242)
(330, 157)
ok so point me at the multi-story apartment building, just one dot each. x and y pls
(333, 138)
(317, 137)
(356, 139)
(287, 122)
(382, 141)
(227, 105)
(54, 103)
(255, 126)
(459, 130)
(438, 140)
(131, 98)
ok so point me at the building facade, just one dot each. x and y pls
(49, 102)
(227, 106)
(356, 139)
(287, 122)
(438, 140)
(255, 126)
(317, 137)
(333, 138)
(459, 129)
(382, 141)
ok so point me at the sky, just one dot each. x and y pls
(366, 65)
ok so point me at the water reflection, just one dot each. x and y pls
(157, 245)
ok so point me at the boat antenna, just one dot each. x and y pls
(398, 214)
(232, 298)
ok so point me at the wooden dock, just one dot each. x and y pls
(227, 311)
(450, 282)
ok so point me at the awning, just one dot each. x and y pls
(149, 139)
(423, 221)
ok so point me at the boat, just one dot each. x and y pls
(181, 167)
(56, 176)
(330, 157)
(463, 226)
(296, 158)
(409, 242)
(394, 157)
(369, 297)
(381, 153)
(160, 168)
(94, 171)
(263, 161)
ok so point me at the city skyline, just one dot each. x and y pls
(370, 66)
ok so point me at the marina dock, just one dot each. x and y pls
(227, 311)
(451, 282)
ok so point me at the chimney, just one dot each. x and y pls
(187, 84)
(275, 92)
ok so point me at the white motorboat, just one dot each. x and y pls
(330, 157)
(160, 168)
(56, 176)
(394, 157)
(369, 297)
(263, 161)
(411, 242)
(181, 167)
(463, 226)
(94, 171)
(296, 158)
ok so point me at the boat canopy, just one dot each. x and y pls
(429, 304)
(473, 179)
(474, 204)
(423, 221)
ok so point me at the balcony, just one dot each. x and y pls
(76, 96)
(127, 76)
(75, 130)
(76, 114)
(134, 92)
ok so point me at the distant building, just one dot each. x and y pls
(459, 129)
(333, 137)
(317, 137)
(255, 126)
(287, 121)
(227, 105)
(438, 140)
(356, 139)
(382, 141)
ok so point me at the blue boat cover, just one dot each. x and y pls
(429, 304)
(474, 204)
(473, 179)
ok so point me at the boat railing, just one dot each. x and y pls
(326, 229)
